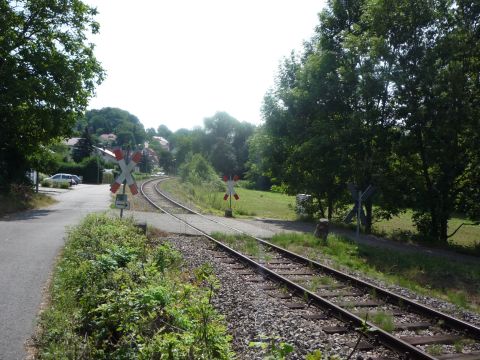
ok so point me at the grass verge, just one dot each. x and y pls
(401, 227)
(454, 281)
(251, 203)
(15, 202)
(117, 295)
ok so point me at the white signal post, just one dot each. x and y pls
(125, 176)
(230, 189)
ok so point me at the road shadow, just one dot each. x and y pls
(370, 240)
(27, 215)
(289, 225)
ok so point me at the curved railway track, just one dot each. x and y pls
(413, 328)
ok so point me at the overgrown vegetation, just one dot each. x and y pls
(385, 93)
(22, 198)
(455, 281)
(116, 294)
(251, 203)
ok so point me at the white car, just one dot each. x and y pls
(63, 178)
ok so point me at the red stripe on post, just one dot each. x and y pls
(137, 157)
(118, 154)
(225, 197)
(225, 178)
(133, 189)
(235, 178)
(114, 187)
(236, 196)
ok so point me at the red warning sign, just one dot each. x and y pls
(126, 171)
(230, 187)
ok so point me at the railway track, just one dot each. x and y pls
(383, 318)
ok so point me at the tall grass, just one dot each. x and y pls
(454, 281)
(209, 198)
(14, 202)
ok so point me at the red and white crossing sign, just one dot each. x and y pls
(126, 171)
(230, 187)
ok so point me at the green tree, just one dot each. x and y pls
(225, 142)
(113, 120)
(48, 72)
(84, 147)
(164, 132)
(150, 133)
(433, 50)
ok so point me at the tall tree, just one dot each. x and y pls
(47, 71)
(84, 146)
(433, 48)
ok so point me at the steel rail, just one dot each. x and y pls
(392, 297)
(376, 334)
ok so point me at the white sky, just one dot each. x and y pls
(177, 62)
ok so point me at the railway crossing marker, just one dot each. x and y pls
(125, 178)
(357, 210)
(230, 193)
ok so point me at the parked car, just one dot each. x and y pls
(77, 178)
(63, 178)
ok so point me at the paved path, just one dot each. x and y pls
(29, 242)
(266, 228)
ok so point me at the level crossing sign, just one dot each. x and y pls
(230, 188)
(359, 198)
(126, 171)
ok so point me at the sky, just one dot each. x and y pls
(178, 62)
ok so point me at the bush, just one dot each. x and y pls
(115, 295)
(46, 183)
(197, 170)
(64, 185)
(91, 169)
(107, 178)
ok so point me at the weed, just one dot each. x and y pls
(274, 349)
(363, 330)
(383, 321)
(459, 345)
(434, 349)
(316, 355)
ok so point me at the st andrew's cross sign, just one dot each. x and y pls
(230, 188)
(359, 198)
(126, 171)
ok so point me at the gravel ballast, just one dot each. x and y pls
(252, 315)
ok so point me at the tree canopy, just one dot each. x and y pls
(386, 93)
(47, 74)
(127, 127)
(222, 141)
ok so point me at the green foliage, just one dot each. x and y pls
(390, 110)
(196, 170)
(115, 295)
(451, 280)
(90, 169)
(222, 141)
(64, 185)
(127, 127)
(48, 73)
(84, 146)
(252, 202)
(274, 350)
(383, 321)
(107, 178)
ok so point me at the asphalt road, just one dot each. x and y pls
(29, 242)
